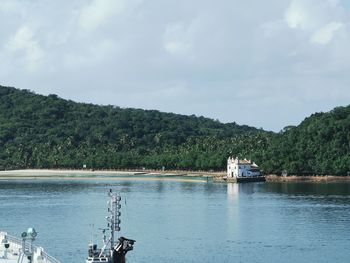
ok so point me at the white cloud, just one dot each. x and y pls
(296, 15)
(9, 5)
(23, 40)
(312, 14)
(324, 35)
(177, 39)
(97, 53)
(272, 28)
(212, 59)
(99, 11)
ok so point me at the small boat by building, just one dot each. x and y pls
(113, 250)
(22, 250)
(243, 171)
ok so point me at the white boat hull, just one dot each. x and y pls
(14, 252)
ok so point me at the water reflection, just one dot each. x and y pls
(298, 222)
(188, 187)
(211, 188)
(232, 190)
(125, 186)
(236, 189)
(160, 186)
(309, 188)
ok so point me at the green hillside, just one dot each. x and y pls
(49, 132)
(319, 145)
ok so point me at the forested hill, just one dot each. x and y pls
(319, 145)
(49, 132)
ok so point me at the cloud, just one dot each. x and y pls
(296, 15)
(24, 41)
(324, 35)
(9, 6)
(98, 12)
(192, 57)
(272, 28)
(96, 54)
(311, 14)
(177, 39)
(320, 20)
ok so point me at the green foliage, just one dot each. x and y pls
(319, 145)
(49, 132)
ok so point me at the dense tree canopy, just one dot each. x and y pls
(49, 132)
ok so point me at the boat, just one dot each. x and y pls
(23, 250)
(113, 250)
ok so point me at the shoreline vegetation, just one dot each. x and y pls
(47, 132)
(135, 174)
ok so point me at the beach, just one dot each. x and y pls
(174, 175)
(47, 174)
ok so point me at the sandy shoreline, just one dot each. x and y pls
(47, 174)
(32, 174)
(119, 178)
(62, 172)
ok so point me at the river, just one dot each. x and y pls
(188, 221)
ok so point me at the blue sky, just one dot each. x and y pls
(263, 63)
(345, 3)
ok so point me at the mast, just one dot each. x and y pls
(119, 247)
(114, 218)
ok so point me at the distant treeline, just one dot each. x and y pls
(49, 132)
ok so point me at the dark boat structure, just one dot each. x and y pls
(114, 249)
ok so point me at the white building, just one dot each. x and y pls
(241, 168)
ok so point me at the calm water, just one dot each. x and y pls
(187, 221)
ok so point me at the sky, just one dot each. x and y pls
(264, 63)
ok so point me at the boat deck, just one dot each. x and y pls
(14, 253)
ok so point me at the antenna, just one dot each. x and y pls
(114, 218)
(92, 226)
(119, 247)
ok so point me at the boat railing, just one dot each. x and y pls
(14, 240)
(36, 249)
(49, 258)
